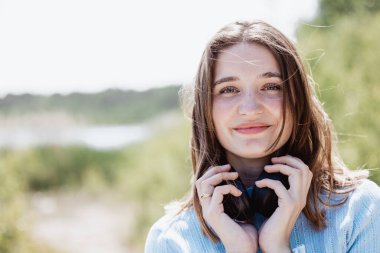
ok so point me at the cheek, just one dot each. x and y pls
(276, 110)
(216, 116)
(274, 106)
(220, 110)
(220, 103)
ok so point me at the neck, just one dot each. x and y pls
(249, 169)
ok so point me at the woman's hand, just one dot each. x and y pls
(235, 237)
(274, 235)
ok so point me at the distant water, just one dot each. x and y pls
(101, 137)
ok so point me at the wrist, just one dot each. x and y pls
(283, 249)
(278, 247)
(239, 248)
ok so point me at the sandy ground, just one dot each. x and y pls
(81, 223)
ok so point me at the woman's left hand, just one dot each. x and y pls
(274, 235)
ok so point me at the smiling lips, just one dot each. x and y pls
(251, 129)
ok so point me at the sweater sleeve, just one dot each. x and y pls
(299, 249)
(365, 212)
(157, 242)
(160, 240)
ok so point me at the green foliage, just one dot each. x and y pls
(10, 208)
(331, 11)
(54, 167)
(148, 174)
(160, 172)
(110, 106)
(344, 62)
(13, 235)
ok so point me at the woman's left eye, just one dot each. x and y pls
(272, 87)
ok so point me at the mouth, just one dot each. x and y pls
(251, 129)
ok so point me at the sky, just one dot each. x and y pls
(51, 46)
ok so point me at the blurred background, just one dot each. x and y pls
(93, 142)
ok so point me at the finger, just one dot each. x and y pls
(205, 201)
(297, 163)
(297, 180)
(210, 172)
(290, 161)
(275, 185)
(220, 191)
(287, 197)
(214, 170)
(282, 168)
(219, 178)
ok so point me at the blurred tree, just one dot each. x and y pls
(330, 11)
(112, 106)
(344, 62)
(14, 224)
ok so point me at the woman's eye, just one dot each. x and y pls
(272, 87)
(228, 89)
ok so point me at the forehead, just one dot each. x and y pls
(245, 57)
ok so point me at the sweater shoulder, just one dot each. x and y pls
(174, 222)
(366, 194)
(178, 232)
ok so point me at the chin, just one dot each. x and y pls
(252, 155)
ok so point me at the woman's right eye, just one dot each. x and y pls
(228, 89)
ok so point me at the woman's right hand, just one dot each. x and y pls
(235, 237)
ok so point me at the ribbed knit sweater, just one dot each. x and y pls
(353, 227)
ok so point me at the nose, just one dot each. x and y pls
(250, 104)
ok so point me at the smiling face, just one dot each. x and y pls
(247, 101)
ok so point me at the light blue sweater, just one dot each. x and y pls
(353, 227)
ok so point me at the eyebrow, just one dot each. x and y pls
(270, 74)
(226, 79)
(235, 78)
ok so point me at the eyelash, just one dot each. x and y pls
(272, 85)
(269, 87)
(228, 89)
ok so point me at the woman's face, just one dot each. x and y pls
(247, 101)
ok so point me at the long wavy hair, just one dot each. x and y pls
(311, 139)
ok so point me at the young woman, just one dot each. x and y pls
(266, 175)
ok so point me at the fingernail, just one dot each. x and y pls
(225, 167)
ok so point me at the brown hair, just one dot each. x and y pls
(311, 138)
